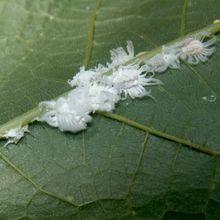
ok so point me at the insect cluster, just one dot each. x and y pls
(100, 88)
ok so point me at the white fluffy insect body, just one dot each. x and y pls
(79, 99)
(130, 80)
(120, 56)
(170, 55)
(103, 98)
(95, 97)
(156, 64)
(196, 50)
(71, 121)
(14, 135)
(168, 58)
(86, 77)
(83, 77)
(72, 113)
(61, 114)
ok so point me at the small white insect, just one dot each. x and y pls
(210, 98)
(103, 98)
(130, 80)
(196, 50)
(72, 113)
(79, 100)
(171, 57)
(86, 77)
(168, 58)
(83, 77)
(156, 64)
(61, 114)
(14, 135)
(70, 121)
(120, 56)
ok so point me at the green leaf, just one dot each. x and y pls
(112, 170)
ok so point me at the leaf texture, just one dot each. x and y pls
(112, 170)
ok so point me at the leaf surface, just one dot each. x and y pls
(112, 170)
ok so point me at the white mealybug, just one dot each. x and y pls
(61, 114)
(130, 80)
(79, 100)
(168, 58)
(93, 98)
(195, 50)
(120, 56)
(103, 98)
(83, 77)
(14, 135)
(156, 64)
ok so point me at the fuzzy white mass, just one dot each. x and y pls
(100, 88)
(14, 135)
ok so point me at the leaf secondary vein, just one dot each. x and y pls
(35, 185)
(161, 134)
(48, 193)
(140, 159)
(88, 52)
(183, 18)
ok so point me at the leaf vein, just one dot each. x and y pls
(161, 134)
(35, 185)
(184, 18)
(90, 43)
(140, 159)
